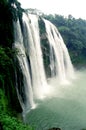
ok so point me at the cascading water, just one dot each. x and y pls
(62, 63)
(28, 103)
(31, 62)
(39, 82)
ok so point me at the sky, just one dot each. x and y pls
(77, 8)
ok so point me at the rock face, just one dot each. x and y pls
(54, 128)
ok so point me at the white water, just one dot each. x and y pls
(25, 70)
(62, 62)
(39, 82)
(30, 59)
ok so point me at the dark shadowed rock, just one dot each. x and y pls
(54, 128)
(1, 128)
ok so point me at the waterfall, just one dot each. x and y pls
(23, 64)
(30, 57)
(61, 64)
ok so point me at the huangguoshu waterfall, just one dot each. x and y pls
(41, 54)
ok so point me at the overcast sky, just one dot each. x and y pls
(77, 8)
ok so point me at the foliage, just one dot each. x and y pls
(7, 77)
(3, 101)
(73, 32)
(10, 10)
(9, 104)
(7, 94)
(11, 123)
(7, 121)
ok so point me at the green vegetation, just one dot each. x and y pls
(11, 123)
(10, 108)
(8, 13)
(7, 77)
(7, 121)
(73, 32)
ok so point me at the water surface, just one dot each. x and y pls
(64, 107)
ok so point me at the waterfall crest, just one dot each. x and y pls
(31, 57)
